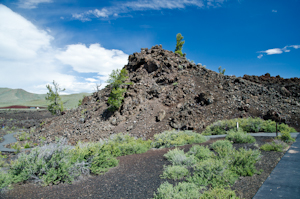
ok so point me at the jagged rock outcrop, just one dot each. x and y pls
(169, 92)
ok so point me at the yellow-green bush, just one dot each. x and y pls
(219, 193)
(276, 145)
(176, 138)
(249, 124)
(286, 137)
(179, 191)
(239, 137)
(175, 172)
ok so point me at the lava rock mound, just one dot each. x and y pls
(169, 92)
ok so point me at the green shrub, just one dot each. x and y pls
(17, 147)
(213, 172)
(247, 124)
(2, 161)
(221, 71)
(222, 147)
(49, 164)
(116, 98)
(27, 145)
(181, 190)
(179, 44)
(239, 137)
(5, 180)
(102, 162)
(243, 161)
(24, 136)
(276, 145)
(286, 137)
(175, 172)
(219, 193)
(116, 79)
(120, 145)
(117, 145)
(177, 138)
(59, 162)
(178, 157)
(201, 152)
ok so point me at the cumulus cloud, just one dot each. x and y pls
(275, 51)
(93, 58)
(30, 4)
(143, 5)
(29, 61)
(20, 38)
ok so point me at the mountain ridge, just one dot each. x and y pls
(9, 97)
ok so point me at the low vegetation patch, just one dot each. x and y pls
(181, 190)
(210, 170)
(175, 172)
(201, 152)
(178, 157)
(239, 137)
(59, 162)
(286, 137)
(276, 145)
(249, 124)
(222, 147)
(218, 193)
(177, 138)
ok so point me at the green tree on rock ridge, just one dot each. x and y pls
(116, 79)
(179, 44)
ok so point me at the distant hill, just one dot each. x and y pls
(9, 97)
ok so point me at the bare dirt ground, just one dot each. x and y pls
(137, 176)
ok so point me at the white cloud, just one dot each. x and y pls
(275, 51)
(143, 5)
(295, 46)
(274, 11)
(29, 61)
(81, 17)
(20, 38)
(260, 56)
(92, 59)
(91, 80)
(102, 13)
(30, 4)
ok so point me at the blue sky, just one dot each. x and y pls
(78, 43)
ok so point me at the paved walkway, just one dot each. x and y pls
(8, 139)
(284, 181)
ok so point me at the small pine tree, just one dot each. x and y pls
(116, 79)
(56, 107)
(179, 44)
(221, 71)
(115, 99)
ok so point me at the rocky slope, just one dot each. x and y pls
(169, 92)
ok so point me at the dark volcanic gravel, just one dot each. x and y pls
(137, 176)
